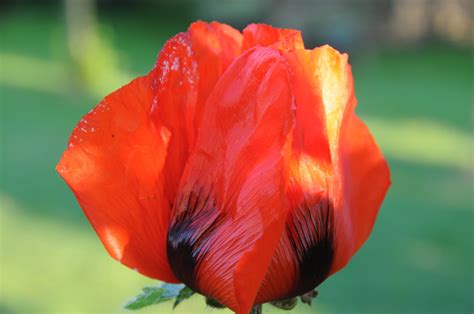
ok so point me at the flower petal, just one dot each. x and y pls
(114, 165)
(186, 71)
(214, 47)
(231, 206)
(361, 175)
(365, 179)
(175, 88)
(126, 157)
(265, 35)
(338, 177)
(304, 255)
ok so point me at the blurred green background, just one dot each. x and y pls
(412, 63)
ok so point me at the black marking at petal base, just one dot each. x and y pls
(214, 304)
(311, 234)
(197, 218)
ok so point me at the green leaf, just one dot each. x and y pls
(184, 293)
(172, 290)
(154, 295)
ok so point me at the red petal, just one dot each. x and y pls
(126, 186)
(175, 85)
(126, 158)
(365, 179)
(293, 268)
(186, 71)
(338, 178)
(227, 223)
(266, 35)
(317, 178)
(310, 137)
(114, 166)
(214, 46)
(333, 76)
(360, 176)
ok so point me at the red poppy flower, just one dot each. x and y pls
(237, 166)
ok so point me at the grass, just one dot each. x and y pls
(418, 104)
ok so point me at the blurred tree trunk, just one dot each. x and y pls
(95, 62)
(81, 26)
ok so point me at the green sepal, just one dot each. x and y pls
(158, 294)
(184, 293)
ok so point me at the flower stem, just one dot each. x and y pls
(257, 309)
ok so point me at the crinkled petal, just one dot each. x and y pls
(175, 89)
(365, 179)
(186, 71)
(214, 46)
(338, 177)
(125, 159)
(360, 172)
(114, 165)
(304, 254)
(231, 207)
(265, 35)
